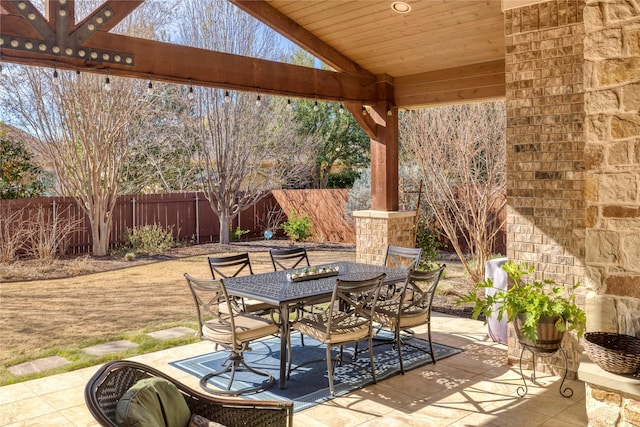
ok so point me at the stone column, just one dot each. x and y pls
(612, 197)
(376, 229)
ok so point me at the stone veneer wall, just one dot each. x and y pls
(612, 82)
(545, 149)
(612, 195)
(376, 229)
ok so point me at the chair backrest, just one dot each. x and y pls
(213, 306)
(230, 265)
(112, 380)
(401, 257)
(416, 296)
(353, 303)
(285, 259)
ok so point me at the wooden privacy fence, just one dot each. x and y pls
(188, 213)
(325, 208)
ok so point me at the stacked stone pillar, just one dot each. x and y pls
(376, 229)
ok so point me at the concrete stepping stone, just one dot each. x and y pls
(38, 365)
(172, 333)
(109, 347)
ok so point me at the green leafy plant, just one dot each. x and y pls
(533, 299)
(237, 235)
(428, 241)
(150, 239)
(297, 227)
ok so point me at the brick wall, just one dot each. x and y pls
(545, 149)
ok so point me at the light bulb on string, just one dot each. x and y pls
(315, 106)
(289, 106)
(364, 110)
(340, 109)
(107, 84)
(190, 94)
(258, 102)
(227, 98)
(150, 86)
(55, 77)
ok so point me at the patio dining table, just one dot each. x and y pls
(277, 289)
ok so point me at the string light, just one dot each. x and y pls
(258, 102)
(289, 106)
(315, 106)
(55, 76)
(190, 92)
(389, 112)
(227, 99)
(107, 84)
(340, 109)
(364, 110)
(150, 86)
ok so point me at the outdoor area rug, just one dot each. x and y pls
(308, 384)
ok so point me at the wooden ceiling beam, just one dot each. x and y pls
(262, 11)
(121, 9)
(470, 83)
(188, 65)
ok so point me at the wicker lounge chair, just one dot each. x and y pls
(111, 382)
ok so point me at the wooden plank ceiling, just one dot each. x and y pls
(441, 51)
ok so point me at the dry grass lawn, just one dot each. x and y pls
(60, 316)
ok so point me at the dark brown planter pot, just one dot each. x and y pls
(549, 338)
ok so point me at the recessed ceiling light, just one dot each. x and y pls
(400, 7)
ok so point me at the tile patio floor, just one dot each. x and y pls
(475, 388)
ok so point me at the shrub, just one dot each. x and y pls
(239, 233)
(297, 227)
(428, 241)
(150, 239)
(50, 234)
(12, 235)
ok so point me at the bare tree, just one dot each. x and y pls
(248, 144)
(461, 152)
(83, 127)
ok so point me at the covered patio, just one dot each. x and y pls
(570, 74)
(474, 388)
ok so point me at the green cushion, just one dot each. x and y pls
(153, 402)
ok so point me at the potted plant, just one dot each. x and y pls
(541, 310)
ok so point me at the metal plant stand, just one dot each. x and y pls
(522, 391)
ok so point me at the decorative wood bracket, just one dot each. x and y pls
(58, 35)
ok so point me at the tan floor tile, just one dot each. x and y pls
(574, 414)
(477, 419)
(331, 414)
(15, 392)
(51, 420)
(79, 415)
(398, 419)
(519, 417)
(55, 383)
(65, 399)
(24, 410)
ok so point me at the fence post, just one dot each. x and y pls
(133, 207)
(55, 223)
(197, 221)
